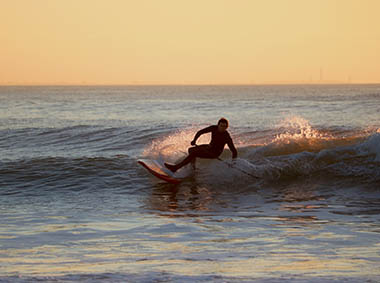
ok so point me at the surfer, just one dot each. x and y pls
(219, 138)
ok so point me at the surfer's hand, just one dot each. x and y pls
(192, 142)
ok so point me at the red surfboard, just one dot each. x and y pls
(157, 171)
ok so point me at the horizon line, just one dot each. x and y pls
(191, 84)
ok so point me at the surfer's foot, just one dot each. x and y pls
(171, 167)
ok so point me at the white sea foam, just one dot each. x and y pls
(173, 147)
(298, 128)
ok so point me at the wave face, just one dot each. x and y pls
(294, 149)
(299, 204)
(89, 156)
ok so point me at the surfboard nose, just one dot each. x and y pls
(156, 171)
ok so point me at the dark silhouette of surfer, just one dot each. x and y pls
(219, 138)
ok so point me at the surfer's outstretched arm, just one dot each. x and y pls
(231, 146)
(201, 132)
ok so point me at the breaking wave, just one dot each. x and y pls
(292, 149)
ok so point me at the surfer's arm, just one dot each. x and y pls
(201, 132)
(231, 146)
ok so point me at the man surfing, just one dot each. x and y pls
(219, 138)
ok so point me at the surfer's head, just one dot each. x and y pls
(222, 125)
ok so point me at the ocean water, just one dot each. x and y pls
(300, 204)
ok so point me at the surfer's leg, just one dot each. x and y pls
(193, 163)
(201, 151)
(191, 150)
(174, 168)
(190, 158)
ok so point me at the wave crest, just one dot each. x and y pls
(293, 149)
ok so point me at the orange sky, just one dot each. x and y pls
(189, 42)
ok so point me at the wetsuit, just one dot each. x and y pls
(216, 146)
(212, 150)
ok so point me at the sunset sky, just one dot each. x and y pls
(189, 42)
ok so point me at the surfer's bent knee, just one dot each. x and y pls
(192, 150)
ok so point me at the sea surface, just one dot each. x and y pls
(300, 204)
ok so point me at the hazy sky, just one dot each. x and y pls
(188, 42)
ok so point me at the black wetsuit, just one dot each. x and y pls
(212, 150)
(218, 141)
